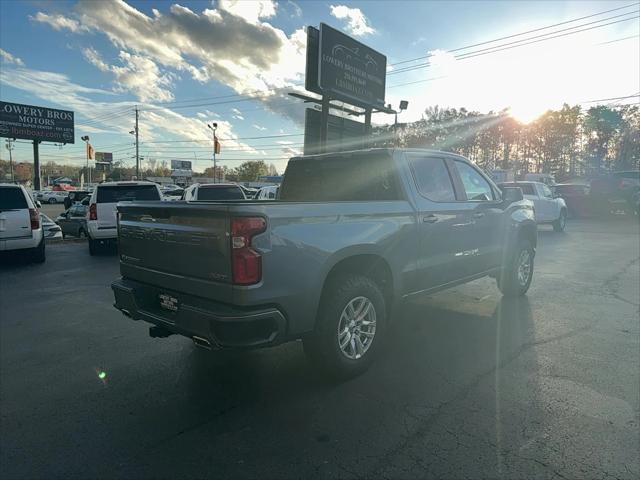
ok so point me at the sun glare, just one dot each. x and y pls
(526, 113)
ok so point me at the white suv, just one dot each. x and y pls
(20, 227)
(102, 213)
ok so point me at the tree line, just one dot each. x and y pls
(23, 171)
(568, 142)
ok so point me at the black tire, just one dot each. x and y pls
(82, 233)
(322, 346)
(93, 247)
(510, 282)
(51, 201)
(38, 254)
(560, 224)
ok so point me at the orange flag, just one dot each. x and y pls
(216, 145)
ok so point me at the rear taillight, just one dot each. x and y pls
(93, 212)
(246, 262)
(34, 216)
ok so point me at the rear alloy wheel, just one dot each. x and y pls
(350, 327)
(561, 222)
(51, 201)
(517, 274)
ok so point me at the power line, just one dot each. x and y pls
(230, 139)
(613, 98)
(508, 46)
(523, 33)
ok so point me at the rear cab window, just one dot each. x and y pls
(220, 193)
(341, 177)
(12, 198)
(126, 193)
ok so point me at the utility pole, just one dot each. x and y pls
(10, 147)
(137, 146)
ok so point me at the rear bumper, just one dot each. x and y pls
(101, 233)
(222, 325)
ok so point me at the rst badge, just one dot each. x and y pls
(168, 302)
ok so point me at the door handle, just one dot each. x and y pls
(478, 215)
(430, 218)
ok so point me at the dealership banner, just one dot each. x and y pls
(29, 122)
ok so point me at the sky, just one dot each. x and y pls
(189, 63)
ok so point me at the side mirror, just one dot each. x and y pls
(512, 194)
(38, 204)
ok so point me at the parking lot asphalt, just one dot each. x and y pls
(469, 386)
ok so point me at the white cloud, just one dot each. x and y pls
(139, 75)
(237, 114)
(59, 22)
(251, 11)
(231, 44)
(357, 23)
(8, 58)
(155, 122)
(297, 11)
(258, 127)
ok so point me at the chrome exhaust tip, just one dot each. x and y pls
(202, 343)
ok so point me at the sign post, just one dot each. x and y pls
(341, 68)
(38, 124)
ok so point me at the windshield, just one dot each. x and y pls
(12, 198)
(220, 193)
(119, 193)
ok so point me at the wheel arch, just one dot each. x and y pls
(370, 264)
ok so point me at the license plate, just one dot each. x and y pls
(168, 302)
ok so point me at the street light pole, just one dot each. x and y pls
(215, 170)
(9, 146)
(403, 106)
(86, 142)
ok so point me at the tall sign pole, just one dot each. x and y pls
(36, 165)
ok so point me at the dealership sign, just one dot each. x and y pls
(349, 70)
(36, 123)
(104, 157)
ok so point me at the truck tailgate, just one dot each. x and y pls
(177, 246)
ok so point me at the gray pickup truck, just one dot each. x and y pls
(329, 262)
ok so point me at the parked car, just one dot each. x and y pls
(328, 265)
(546, 178)
(75, 196)
(249, 192)
(267, 193)
(549, 208)
(52, 196)
(213, 191)
(617, 191)
(73, 221)
(575, 196)
(50, 228)
(101, 217)
(20, 225)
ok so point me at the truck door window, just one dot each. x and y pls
(432, 178)
(475, 186)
